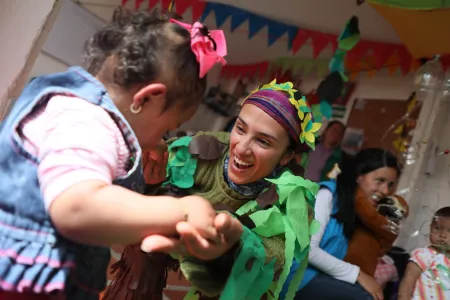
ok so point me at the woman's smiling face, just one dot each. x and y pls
(257, 145)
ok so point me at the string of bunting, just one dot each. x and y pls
(315, 68)
(296, 37)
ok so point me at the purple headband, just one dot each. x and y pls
(276, 104)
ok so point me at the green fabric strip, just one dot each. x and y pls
(414, 4)
(250, 276)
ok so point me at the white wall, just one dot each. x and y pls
(426, 184)
(64, 45)
(24, 26)
(46, 64)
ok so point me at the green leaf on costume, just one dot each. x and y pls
(191, 166)
(247, 207)
(183, 182)
(268, 222)
(297, 212)
(181, 142)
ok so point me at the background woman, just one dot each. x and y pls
(327, 153)
(369, 177)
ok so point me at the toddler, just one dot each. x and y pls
(70, 156)
(427, 273)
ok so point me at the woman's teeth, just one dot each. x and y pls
(241, 164)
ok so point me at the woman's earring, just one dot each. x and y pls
(135, 110)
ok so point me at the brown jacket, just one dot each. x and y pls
(370, 240)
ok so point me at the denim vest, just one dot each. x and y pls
(33, 256)
(333, 242)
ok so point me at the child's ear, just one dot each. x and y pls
(153, 95)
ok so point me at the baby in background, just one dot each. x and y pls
(427, 274)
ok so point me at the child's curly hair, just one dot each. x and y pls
(148, 48)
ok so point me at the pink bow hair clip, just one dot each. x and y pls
(209, 47)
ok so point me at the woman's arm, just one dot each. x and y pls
(318, 257)
(412, 274)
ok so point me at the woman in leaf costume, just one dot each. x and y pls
(245, 173)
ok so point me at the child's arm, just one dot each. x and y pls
(412, 273)
(81, 153)
(93, 212)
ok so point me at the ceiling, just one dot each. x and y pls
(322, 15)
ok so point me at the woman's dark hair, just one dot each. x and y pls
(148, 47)
(352, 167)
(333, 122)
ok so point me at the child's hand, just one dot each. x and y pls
(200, 215)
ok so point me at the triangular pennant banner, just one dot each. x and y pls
(252, 71)
(276, 30)
(405, 59)
(300, 39)
(222, 13)
(138, 3)
(263, 69)
(255, 24)
(198, 8)
(124, 2)
(307, 67)
(297, 66)
(382, 52)
(319, 42)
(209, 7)
(333, 42)
(322, 68)
(152, 3)
(358, 52)
(165, 4)
(182, 6)
(292, 33)
(238, 16)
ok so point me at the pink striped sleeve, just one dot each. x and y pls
(422, 257)
(75, 141)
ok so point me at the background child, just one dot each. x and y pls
(427, 273)
(70, 157)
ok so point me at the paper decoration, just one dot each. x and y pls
(414, 4)
(424, 39)
(296, 37)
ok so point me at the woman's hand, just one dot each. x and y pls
(370, 285)
(392, 227)
(192, 243)
(155, 163)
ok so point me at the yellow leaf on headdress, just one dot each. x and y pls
(306, 121)
(294, 102)
(315, 127)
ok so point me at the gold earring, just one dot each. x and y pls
(135, 110)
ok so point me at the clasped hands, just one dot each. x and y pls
(204, 234)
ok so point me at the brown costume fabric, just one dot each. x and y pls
(370, 240)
